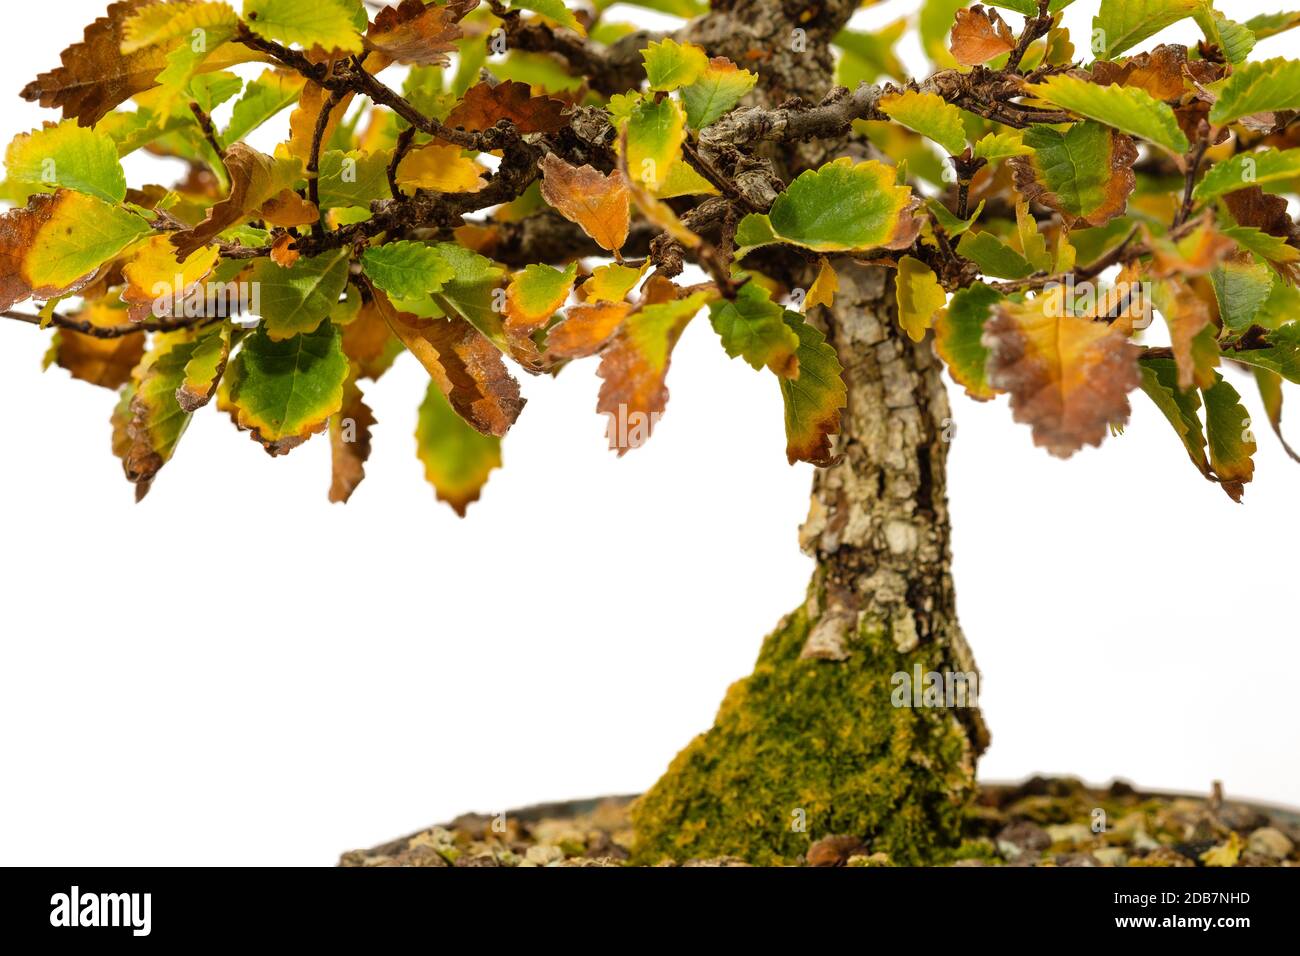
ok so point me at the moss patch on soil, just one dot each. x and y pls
(1042, 822)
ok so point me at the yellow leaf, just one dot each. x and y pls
(441, 168)
(824, 287)
(919, 296)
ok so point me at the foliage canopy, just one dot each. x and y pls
(528, 182)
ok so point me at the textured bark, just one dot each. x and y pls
(813, 731)
(878, 524)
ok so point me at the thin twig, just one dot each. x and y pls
(59, 321)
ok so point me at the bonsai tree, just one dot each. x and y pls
(493, 184)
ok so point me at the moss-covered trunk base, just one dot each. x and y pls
(806, 748)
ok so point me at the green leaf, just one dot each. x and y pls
(1259, 87)
(204, 369)
(457, 458)
(80, 235)
(329, 24)
(996, 146)
(210, 90)
(655, 131)
(958, 337)
(953, 226)
(839, 207)
(754, 328)
(1084, 172)
(1125, 108)
(994, 256)
(1181, 408)
(1227, 430)
(407, 270)
(1236, 41)
(1121, 24)
(1272, 248)
(270, 93)
(930, 115)
(669, 64)
(355, 178)
(1029, 8)
(157, 419)
(285, 391)
(298, 299)
(1242, 286)
(68, 155)
(1279, 168)
(812, 400)
(716, 92)
(552, 9)
(1282, 354)
(1271, 24)
(472, 293)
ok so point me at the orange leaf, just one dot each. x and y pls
(484, 105)
(585, 329)
(596, 202)
(282, 253)
(979, 35)
(467, 367)
(1069, 377)
(99, 361)
(634, 366)
(289, 209)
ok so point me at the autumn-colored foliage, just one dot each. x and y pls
(487, 184)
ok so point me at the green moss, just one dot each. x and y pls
(816, 739)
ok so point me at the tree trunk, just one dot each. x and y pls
(826, 736)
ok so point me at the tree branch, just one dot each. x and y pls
(59, 321)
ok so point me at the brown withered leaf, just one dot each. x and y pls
(1164, 72)
(979, 35)
(1268, 213)
(1068, 377)
(585, 330)
(416, 34)
(597, 202)
(95, 77)
(484, 105)
(467, 367)
(253, 181)
(349, 443)
(106, 362)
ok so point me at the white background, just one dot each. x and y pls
(237, 672)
